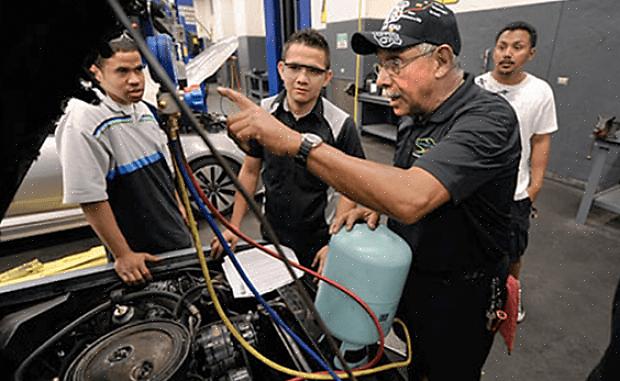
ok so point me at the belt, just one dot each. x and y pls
(452, 276)
(464, 274)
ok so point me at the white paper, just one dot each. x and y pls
(266, 272)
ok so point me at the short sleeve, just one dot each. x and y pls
(546, 119)
(348, 141)
(256, 150)
(477, 148)
(84, 161)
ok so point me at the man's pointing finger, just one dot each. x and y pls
(237, 98)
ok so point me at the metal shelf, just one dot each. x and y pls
(375, 116)
(384, 130)
(373, 98)
(256, 86)
(609, 199)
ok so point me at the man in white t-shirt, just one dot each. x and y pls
(532, 99)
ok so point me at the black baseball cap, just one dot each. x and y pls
(410, 23)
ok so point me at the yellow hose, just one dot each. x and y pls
(233, 330)
(382, 368)
(216, 302)
(357, 65)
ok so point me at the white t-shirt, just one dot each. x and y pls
(532, 100)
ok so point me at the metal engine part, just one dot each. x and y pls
(145, 351)
(237, 375)
(218, 348)
(122, 314)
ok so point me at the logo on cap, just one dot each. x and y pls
(401, 11)
(404, 10)
(410, 23)
(387, 39)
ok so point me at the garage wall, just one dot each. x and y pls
(586, 51)
(578, 40)
(242, 18)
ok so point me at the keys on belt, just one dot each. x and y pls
(495, 315)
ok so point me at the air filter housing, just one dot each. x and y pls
(146, 351)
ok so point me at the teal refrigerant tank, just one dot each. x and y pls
(372, 264)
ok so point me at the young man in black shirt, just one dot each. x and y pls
(295, 198)
(448, 195)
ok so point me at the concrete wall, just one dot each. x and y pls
(242, 18)
(578, 40)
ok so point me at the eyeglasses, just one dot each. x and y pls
(393, 66)
(294, 70)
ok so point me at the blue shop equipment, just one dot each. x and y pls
(195, 98)
(163, 48)
(372, 264)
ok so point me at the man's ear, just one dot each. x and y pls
(281, 69)
(532, 54)
(328, 77)
(96, 71)
(444, 57)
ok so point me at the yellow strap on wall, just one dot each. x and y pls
(357, 66)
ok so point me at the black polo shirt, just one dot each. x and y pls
(471, 145)
(295, 199)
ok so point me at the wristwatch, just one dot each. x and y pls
(308, 142)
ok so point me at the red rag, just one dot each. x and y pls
(508, 328)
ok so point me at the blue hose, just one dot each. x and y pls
(209, 217)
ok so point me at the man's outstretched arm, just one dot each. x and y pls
(406, 195)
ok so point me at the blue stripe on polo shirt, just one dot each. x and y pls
(147, 118)
(134, 165)
(110, 122)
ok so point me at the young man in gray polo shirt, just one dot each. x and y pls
(115, 164)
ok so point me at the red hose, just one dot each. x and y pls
(272, 253)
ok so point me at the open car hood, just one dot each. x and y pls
(47, 60)
(42, 72)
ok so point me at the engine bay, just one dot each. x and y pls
(166, 330)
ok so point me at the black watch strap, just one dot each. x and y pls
(308, 142)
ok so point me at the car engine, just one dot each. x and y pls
(166, 330)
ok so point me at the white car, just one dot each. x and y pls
(37, 207)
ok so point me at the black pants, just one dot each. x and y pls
(447, 322)
(305, 243)
(609, 367)
(519, 228)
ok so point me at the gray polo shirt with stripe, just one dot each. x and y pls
(118, 153)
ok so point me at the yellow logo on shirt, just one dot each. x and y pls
(422, 145)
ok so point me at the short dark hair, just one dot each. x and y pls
(520, 25)
(121, 43)
(309, 37)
